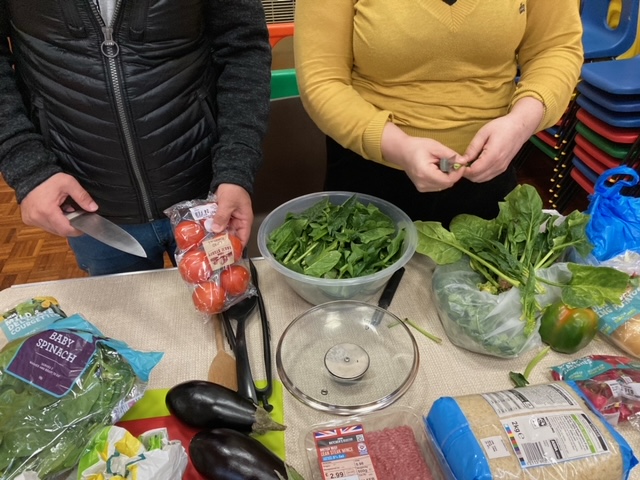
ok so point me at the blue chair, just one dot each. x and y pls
(617, 119)
(610, 101)
(609, 32)
(619, 77)
(591, 175)
(582, 181)
(602, 41)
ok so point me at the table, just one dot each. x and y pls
(153, 311)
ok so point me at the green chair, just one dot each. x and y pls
(284, 84)
(610, 132)
(544, 147)
(616, 150)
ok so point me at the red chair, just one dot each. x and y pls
(602, 157)
(278, 31)
(582, 181)
(589, 161)
(615, 134)
(547, 138)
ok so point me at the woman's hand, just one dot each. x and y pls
(497, 143)
(420, 159)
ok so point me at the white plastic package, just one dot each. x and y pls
(116, 454)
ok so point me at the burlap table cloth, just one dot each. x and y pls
(153, 311)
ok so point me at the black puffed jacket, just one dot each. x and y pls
(164, 105)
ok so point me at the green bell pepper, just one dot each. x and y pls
(567, 330)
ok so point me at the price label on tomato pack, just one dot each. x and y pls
(202, 212)
(342, 454)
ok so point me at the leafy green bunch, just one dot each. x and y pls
(48, 435)
(337, 241)
(508, 251)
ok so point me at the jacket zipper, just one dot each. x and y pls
(110, 50)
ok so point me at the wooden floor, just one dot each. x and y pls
(30, 255)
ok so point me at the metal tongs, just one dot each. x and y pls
(247, 384)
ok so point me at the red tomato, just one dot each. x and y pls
(235, 280)
(194, 266)
(236, 244)
(208, 297)
(188, 233)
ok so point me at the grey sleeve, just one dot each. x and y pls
(242, 56)
(25, 162)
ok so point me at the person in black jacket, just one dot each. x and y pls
(130, 109)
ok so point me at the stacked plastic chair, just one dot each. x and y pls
(610, 32)
(610, 28)
(608, 120)
(279, 15)
(284, 83)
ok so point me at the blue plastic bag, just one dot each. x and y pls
(614, 227)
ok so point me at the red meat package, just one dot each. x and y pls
(611, 383)
(212, 264)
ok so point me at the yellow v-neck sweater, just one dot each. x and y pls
(435, 70)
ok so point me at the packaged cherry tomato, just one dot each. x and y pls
(211, 264)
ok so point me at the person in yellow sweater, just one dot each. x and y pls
(398, 85)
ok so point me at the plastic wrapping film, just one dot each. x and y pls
(560, 439)
(388, 445)
(485, 323)
(59, 385)
(212, 265)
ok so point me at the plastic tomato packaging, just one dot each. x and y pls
(611, 383)
(211, 264)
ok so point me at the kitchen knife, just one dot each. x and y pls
(387, 295)
(105, 231)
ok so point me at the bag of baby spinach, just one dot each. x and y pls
(59, 386)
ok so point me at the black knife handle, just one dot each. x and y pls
(390, 289)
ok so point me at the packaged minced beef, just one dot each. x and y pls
(388, 445)
(538, 432)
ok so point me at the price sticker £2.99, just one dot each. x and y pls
(342, 453)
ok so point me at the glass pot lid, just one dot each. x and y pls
(347, 357)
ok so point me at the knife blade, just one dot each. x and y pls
(105, 231)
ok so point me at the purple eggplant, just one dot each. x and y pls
(205, 405)
(226, 454)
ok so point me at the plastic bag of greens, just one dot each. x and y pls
(59, 386)
(483, 322)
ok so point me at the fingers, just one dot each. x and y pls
(477, 145)
(42, 206)
(436, 180)
(82, 198)
(234, 211)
